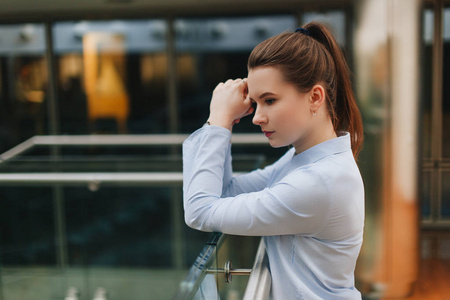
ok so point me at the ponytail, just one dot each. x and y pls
(310, 56)
(346, 116)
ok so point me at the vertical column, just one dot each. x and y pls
(371, 83)
(176, 194)
(60, 227)
(58, 193)
(387, 70)
(172, 77)
(52, 81)
(401, 197)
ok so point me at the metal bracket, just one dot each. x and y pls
(228, 271)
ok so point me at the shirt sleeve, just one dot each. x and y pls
(298, 204)
(253, 181)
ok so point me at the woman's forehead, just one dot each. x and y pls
(265, 79)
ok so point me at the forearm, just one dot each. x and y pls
(204, 154)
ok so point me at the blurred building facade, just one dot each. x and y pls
(148, 67)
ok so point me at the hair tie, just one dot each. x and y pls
(303, 30)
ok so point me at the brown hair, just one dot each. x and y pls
(309, 57)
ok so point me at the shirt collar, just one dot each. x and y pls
(336, 145)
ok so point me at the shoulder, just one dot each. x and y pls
(329, 178)
(337, 167)
(305, 187)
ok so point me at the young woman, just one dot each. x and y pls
(309, 205)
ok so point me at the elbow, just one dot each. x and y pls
(190, 218)
(194, 219)
(194, 223)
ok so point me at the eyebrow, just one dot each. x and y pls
(264, 95)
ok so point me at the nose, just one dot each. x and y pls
(259, 117)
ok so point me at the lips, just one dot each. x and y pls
(268, 133)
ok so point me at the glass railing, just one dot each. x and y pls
(213, 275)
(101, 217)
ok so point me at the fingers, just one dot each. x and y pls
(233, 81)
(230, 102)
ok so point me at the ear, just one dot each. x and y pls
(317, 97)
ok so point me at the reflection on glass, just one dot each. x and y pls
(112, 76)
(104, 69)
(23, 87)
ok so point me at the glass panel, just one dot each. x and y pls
(23, 83)
(130, 241)
(124, 238)
(445, 196)
(426, 75)
(107, 227)
(200, 284)
(28, 253)
(112, 76)
(118, 239)
(446, 87)
(238, 250)
(30, 238)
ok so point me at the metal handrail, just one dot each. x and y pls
(95, 179)
(260, 281)
(150, 178)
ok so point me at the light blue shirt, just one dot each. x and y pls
(308, 207)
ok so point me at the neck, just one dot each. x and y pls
(318, 135)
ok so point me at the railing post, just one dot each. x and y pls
(260, 281)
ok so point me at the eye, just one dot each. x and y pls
(254, 104)
(270, 101)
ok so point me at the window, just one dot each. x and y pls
(23, 83)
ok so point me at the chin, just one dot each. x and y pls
(275, 144)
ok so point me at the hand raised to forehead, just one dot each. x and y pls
(229, 103)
